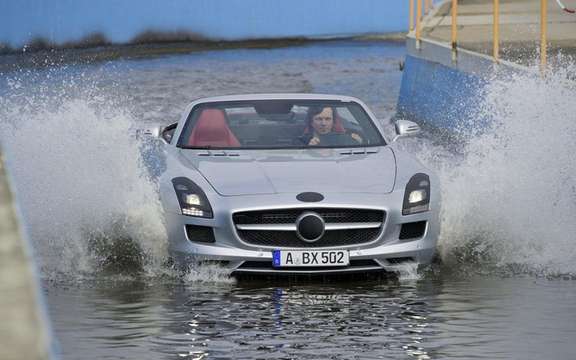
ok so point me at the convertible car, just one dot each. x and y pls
(294, 184)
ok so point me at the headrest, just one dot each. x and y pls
(212, 129)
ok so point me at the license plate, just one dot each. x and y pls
(287, 258)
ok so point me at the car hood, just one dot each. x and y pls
(322, 170)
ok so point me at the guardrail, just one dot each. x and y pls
(428, 5)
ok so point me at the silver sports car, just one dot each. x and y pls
(294, 184)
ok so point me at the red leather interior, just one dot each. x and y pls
(338, 127)
(212, 130)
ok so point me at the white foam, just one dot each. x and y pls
(511, 199)
(208, 273)
(407, 272)
(81, 180)
(78, 173)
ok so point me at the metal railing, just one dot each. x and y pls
(496, 31)
(543, 34)
(429, 4)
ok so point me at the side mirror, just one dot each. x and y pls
(168, 132)
(163, 133)
(149, 132)
(405, 128)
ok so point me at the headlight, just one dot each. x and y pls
(192, 200)
(417, 195)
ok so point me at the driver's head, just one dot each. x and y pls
(321, 119)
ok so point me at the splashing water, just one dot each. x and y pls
(508, 204)
(407, 272)
(208, 273)
(79, 178)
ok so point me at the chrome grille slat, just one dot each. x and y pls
(292, 227)
(267, 227)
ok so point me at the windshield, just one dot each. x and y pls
(279, 124)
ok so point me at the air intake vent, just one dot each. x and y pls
(413, 230)
(202, 234)
(217, 153)
(400, 260)
(267, 265)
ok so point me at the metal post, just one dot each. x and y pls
(496, 31)
(543, 34)
(418, 22)
(426, 6)
(411, 21)
(454, 29)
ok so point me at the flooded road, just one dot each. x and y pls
(505, 289)
(429, 318)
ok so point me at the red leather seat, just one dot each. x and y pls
(212, 130)
(338, 127)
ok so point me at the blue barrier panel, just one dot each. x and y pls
(441, 96)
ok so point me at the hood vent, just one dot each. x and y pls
(218, 153)
(363, 151)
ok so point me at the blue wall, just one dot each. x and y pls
(61, 21)
(441, 96)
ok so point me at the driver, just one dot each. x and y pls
(324, 127)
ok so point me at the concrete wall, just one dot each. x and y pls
(23, 331)
(61, 21)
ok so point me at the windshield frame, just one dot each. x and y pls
(300, 102)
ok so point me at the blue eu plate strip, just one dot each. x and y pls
(276, 258)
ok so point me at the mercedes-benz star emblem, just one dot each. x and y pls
(310, 227)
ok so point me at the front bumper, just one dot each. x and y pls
(386, 252)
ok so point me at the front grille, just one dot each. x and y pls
(285, 216)
(290, 239)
